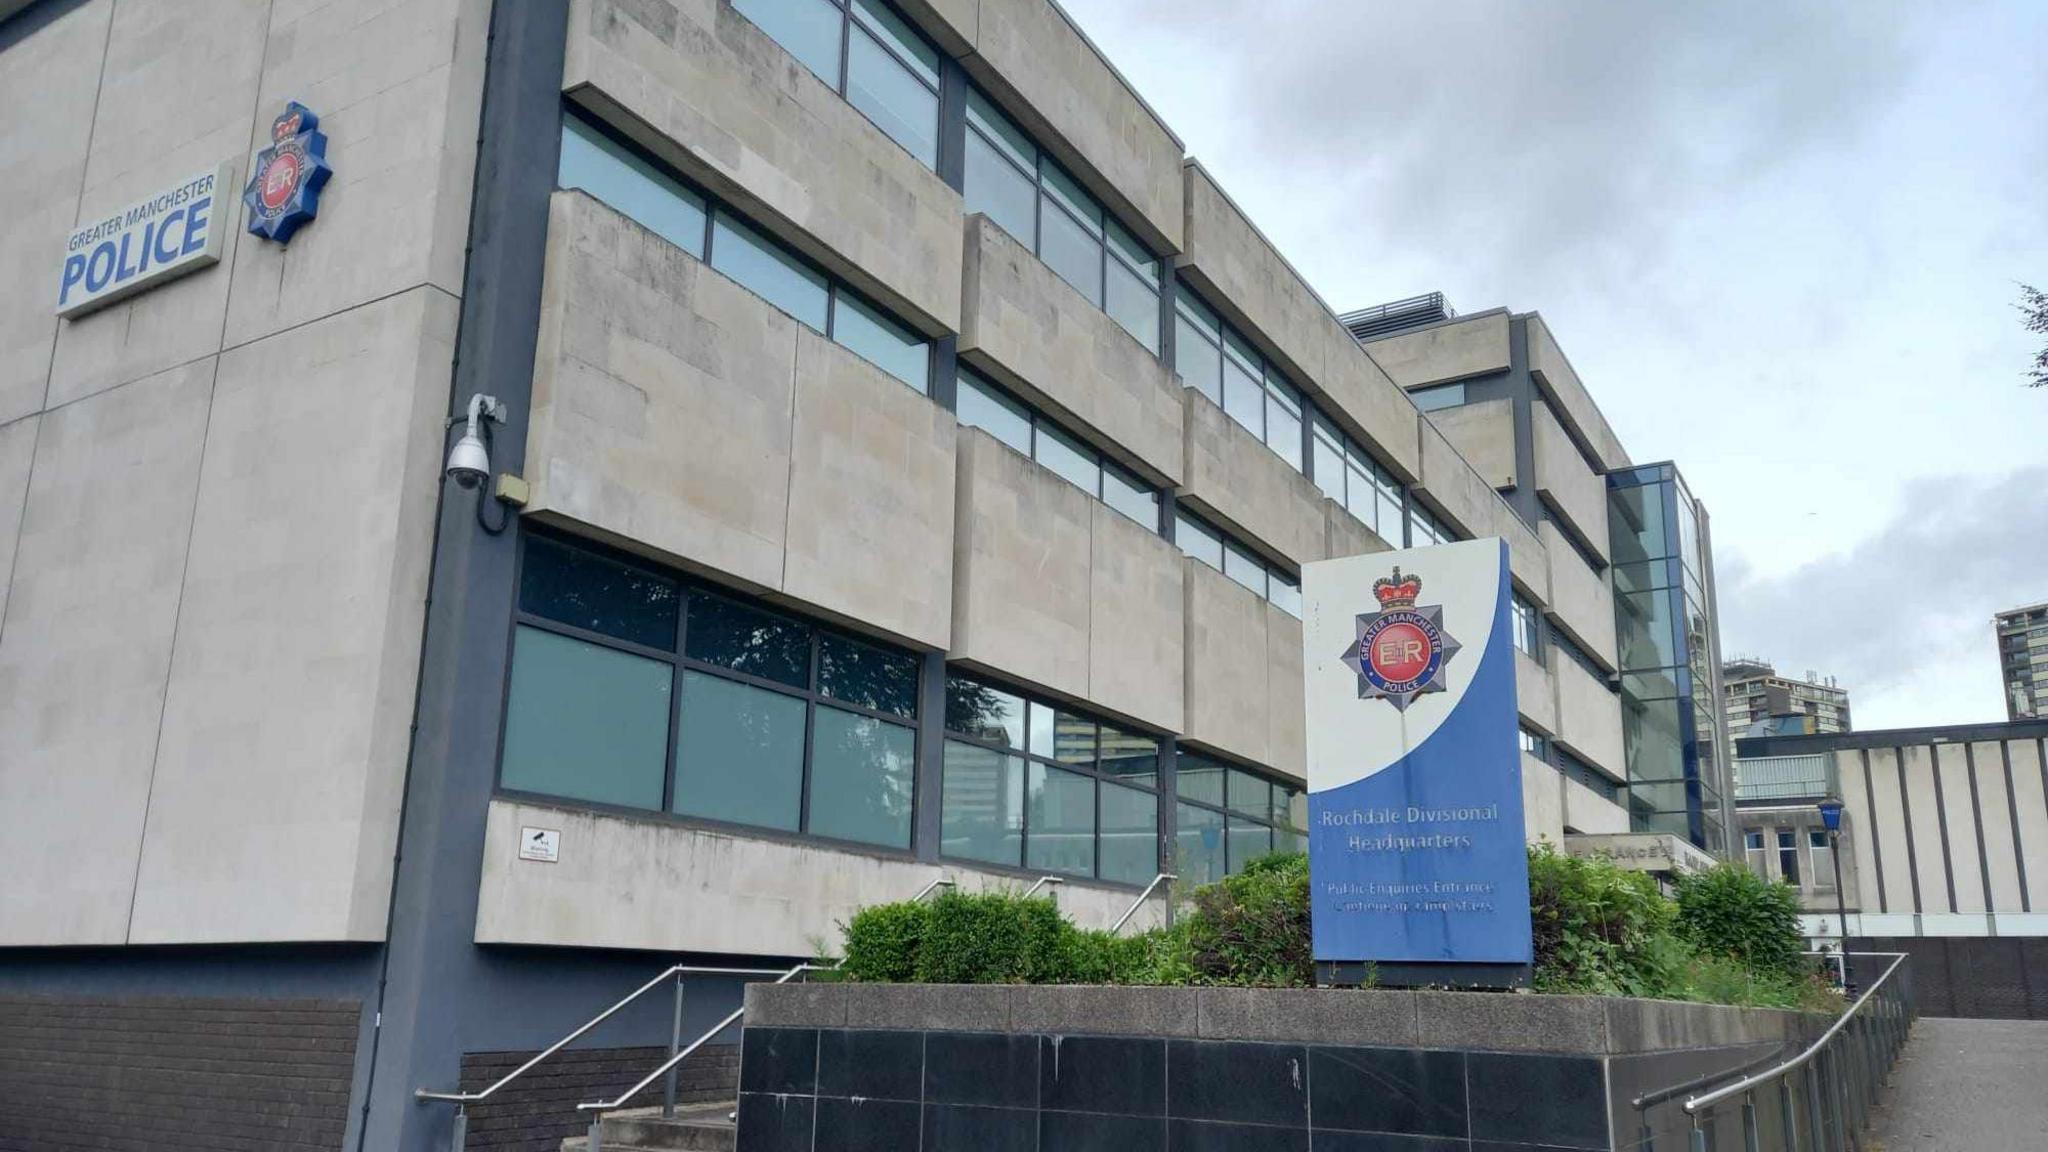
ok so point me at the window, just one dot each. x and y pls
(1227, 817)
(1534, 744)
(1525, 624)
(1788, 856)
(980, 404)
(1570, 647)
(1220, 551)
(1029, 784)
(1753, 850)
(615, 175)
(1822, 858)
(776, 723)
(1222, 365)
(1585, 774)
(867, 54)
(1441, 396)
(1425, 528)
(1033, 199)
(1351, 477)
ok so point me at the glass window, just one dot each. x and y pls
(981, 406)
(908, 46)
(1257, 816)
(982, 805)
(1128, 251)
(868, 676)
(768, 271)
(1283, 421)
(1003, 136)
(1823, 862)
(1525, 624)
(1130, 834)
(741, 754)
(997, 188)
(984, 712)
(585, 721)
(1442, 396)
(1243, 568)
(1198, 845)
(1788, 855)
(1244, 397)
(1061, 815)
(1123, 492)
(1068, 194)
(1198, 541)
(631, 186)
(588, 591)
(1133, 303)
(1070, 250)
(861, 779)
(1249, 793)
(1063, 455)
(1284, 593)
(1057, 734)
(1198, 361)
(1198, 779)
(1248, 842)
(1328, 464)
(744, 639)
(882, 342)
(893, 96)
(1131, 756)
(807, 29)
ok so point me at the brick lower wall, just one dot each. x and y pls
(149, 1073)
(537, 1111)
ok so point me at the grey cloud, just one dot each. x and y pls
(1531, 135)
(1913, 600)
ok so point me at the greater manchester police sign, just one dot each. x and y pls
(1416, 852)
(179, 230)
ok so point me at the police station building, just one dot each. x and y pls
(496, 500)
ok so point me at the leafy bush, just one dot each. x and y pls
(993, 938)
(1731, 911)
(882, 942)
(1598, 928)
(1253, 928)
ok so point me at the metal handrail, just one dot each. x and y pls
(1162, 878)
(941, 882)
(1697, 1104)
(692, 1046)
(1042, 881)
(423, 1094)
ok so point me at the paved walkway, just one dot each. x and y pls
(1968, 1086)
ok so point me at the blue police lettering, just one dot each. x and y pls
(94, 283)
(195, 224)
(165, 255)
(74, 271)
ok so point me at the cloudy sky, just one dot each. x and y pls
(1778, 240)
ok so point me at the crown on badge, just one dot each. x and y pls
(1397, 591)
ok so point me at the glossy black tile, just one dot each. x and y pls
(779, 1060)
(773, 1123)
(961, 1128)
(1206, 1136)
(1538, 1099)
(1385, 1142)
(867, 1125)
(872, 1064)
(1099, 1132)
(1398, 1090)
(1237, 1082)
(988, 1068)
(1103, 1074)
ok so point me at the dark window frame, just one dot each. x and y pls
(839, 84)
(1188, 517)
(1264, 817)
(1093, 770)
(714, 209)
(1035, 420)
(811, 695)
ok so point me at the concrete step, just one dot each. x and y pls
(695, 1128)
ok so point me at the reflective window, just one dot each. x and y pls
(1524, 623)
(980, 404)
(1788, 856)
(769, 708)
(1424, 527)
(1007, 177)
(630, 184)
(1213, 358)
(1031, 784)
(1217, 549)
(1349, 475)
(879, 63)
(1229, 816)
(1441, 396)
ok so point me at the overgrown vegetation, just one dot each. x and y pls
(1728, 938)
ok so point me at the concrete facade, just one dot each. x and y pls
(1547, 363)
(1235, 481)
(1484, 434)
(1570, 485)
(1442, 353)
(1581, 601)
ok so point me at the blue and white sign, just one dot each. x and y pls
(1416, 848)
(177, 231)
(285, 182)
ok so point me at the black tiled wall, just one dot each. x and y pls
(537, 1111)
(838, 1090)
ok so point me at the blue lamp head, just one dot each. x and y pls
(1831, 814)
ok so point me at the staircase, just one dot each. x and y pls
(694, 1127)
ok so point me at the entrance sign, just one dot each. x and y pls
(170, 234)
(1416, 848)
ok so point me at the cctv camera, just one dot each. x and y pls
(468, 462)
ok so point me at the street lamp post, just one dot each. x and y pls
(1831, 819)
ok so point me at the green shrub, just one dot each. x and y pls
(882, 942)
(1730, 911)
(993, 938)
(1598, 928)
(1253, 928)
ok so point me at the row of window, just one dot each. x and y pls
(635, 689)
(610, 172)
(980, 404)
(1214, 360)
(867, 54)
(1786, 842)
(1349, 475)
(1525, 620)
(1219, 550)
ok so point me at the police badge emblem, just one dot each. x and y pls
(1401, 650)
(284, 185)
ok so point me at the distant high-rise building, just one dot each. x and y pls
(2023, 659)
(1753, 694)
